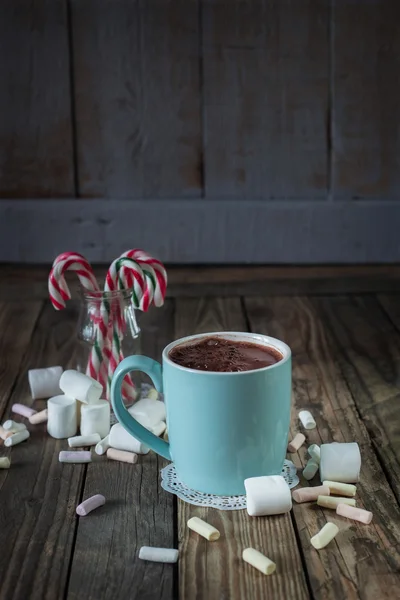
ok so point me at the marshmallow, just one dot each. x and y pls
(346, 489)
(267, 495)
(103, 446)
(120, 439)
(153, 394)
(310, 469)
(5, 462)
(152, 410)
(24, 411)
(44, 382)
(159, 428)
(17, 438)
(202, 528)
(315, 452)
(4, 434)
(331, 502)
(122, 456)
(82, 456)
(259, 561)
(12, 426)
(165, 436)
(324, 536)
(340, 462)
(164, 555)
(61, 417)
(308, 494)
(296, 442)
(95, 418)
(39, 417)
(351, 512)
(90, 504)
(307, 420)
(80, 386)
(79, 441)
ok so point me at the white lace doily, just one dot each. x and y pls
(171, 483)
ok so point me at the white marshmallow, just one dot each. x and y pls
(79, 441)
(324, 536)
(204, 529)
(164, 555)
(103, 446)
(315, 452)
(44, 383)
(344, 489)
(153, 394)
(95, 418)
(39, 417)
(159, 428)
(81, 456)
(267, 495)
(17, 438)
(80, 386)
(259, 561)
(340, 462)
(120, 439)
(12, 426)
(153, 410)
(310, 469)
(307, 420)
(332, 501)
(61, 417)
(5, 462)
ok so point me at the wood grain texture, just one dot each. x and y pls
(36, 157)
(368, 349)
(362, 562)
(39, 495)
(266, 83)
(137, 94)
(193, 232)
(366, 99)
(138, 512)
(216, 569)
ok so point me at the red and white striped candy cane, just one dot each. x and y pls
(158, 270)
(58, 288)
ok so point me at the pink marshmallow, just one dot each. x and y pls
(90, 504)
(309, 494)
(24, 411)
(352, 512)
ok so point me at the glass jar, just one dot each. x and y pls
(108, 331)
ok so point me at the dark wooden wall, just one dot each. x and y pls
(203, 130)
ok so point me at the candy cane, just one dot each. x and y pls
(158, 269)
(58, 288)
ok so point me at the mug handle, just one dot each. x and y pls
(154, 370)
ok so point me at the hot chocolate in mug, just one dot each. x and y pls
(223, 427)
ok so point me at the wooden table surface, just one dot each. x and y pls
(346, 370)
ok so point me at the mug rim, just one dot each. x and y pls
(255, 337)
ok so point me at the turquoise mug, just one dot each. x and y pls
(222, 427)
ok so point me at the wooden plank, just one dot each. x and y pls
(17, 322)
(138, 512)
(368, 348)
(362, 562)
(36, 156)
(38, 494)
(366, 99)
(217, 570)
(137, 94)
(194, 281)
(229, 232)
(266, 82)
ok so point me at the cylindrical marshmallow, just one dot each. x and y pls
(102, 446)
(80, 386)
(332, 502)
(5, 462)
(153, 394)
(296, 442)
(153, 410)
(310, 469)
(61, 417)
(21, 409)
(308, 494)
(120, 439)
(204, 529)
(17, 438)
(122, 456)
(267, 495)
(90, 504)
(4, 434)
(315, 452)
(163, 555)
(81, 456)
(307, 420)
(79, 441)
(357, 514)
(324, 536)
(12, 426)
(44, 382)
(166, 436)
(159, 428)
(39, 417)
(95, 418)
(259, 561)
(345, 489)
(340, 462)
